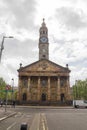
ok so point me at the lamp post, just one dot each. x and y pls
(6, 98)
(76, 89)
(2, 45)
(12, 90)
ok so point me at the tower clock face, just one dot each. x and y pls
(43, 39)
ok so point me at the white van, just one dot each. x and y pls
(80, 103)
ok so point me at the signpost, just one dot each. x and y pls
(6, 101)
(8, 89)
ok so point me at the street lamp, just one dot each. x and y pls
(12, 90)
(2, 45)
(76, 89)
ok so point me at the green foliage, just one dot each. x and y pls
(80, 89)
(15, 94)
(2, 87)
(10, 93)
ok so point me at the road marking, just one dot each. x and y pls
(44, 122)
(36, 122)
(2, 118)
(43, 125)
(11, 126)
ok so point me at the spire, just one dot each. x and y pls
(43, 29)
(43, 24)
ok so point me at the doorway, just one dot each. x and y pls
(43, 97)
(24, 97)
(62, 97)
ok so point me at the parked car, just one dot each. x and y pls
(79, 103)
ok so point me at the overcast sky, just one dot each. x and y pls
(67, 27)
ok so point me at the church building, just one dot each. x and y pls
(43, 82)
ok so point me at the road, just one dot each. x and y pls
(67, 119)
(14, 122)
(48, 118)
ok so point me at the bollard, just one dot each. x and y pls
(23, 126)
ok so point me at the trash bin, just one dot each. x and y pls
(23, 126)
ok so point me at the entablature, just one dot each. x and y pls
(43, 74)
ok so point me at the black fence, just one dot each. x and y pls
(45, 103)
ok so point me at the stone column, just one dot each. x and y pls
(68, 89)
(58, 88)
(19, 89)
(38, 96)
(68, 85)
(49, 91)
(28, 90)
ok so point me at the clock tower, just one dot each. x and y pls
(44, 82)
(43, 42)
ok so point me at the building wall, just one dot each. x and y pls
(44, 88)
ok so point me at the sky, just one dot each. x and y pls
(66, 21)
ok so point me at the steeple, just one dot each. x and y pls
(43, 29)
(43, 42)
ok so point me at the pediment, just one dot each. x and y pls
(43, 65)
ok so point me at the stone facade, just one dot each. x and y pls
(44, 80)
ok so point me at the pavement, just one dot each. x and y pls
(39, 119)
(5, 113)
(35, 125)
(9, 111)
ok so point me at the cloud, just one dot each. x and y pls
(20, 50)
(19, 13)
(14, 53)
(78, 73)
(69, 51)
(67, 25)
(72, 52)
(71, 18)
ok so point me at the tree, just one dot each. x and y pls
(80, 89)
(2, 88)
(6, 90)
